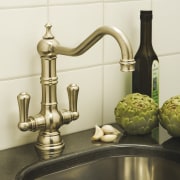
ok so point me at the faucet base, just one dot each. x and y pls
(49, 144)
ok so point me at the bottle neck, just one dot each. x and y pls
(146, 33)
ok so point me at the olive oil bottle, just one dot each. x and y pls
(145, 78)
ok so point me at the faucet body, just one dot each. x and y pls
(50, 118)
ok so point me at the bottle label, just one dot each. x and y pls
(155, 81)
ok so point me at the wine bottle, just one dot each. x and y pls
(145, 78)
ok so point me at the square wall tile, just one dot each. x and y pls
(169, 85)
(56, 2)
(72, 24)
(21, 3)
(117, 84)
(125, 15)
(20, 32)
(166, 26)
(121, 0)
(169, 75)
(11, 135)
(90, 97)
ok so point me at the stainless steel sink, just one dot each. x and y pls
(121, 168)
(125, 162)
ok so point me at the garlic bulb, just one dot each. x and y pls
(106, 133)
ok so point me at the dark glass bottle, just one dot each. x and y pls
(145, 78)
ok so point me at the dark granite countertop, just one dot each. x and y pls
(14, 159)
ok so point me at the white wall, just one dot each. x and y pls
(97, 73)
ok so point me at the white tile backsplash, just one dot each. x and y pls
(97, 72)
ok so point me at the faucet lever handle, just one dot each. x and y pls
(73, 90)
(23, 102)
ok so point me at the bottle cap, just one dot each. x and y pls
(146, 15)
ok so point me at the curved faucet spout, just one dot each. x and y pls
(96, 36)
(127, 62)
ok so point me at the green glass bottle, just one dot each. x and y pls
(145, 78)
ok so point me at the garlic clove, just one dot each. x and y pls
(109, 138)
(98, 133)
(108, 129)
(117, 132)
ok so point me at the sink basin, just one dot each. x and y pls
(122, 162)
(121, 168)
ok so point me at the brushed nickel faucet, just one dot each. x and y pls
(50, 118)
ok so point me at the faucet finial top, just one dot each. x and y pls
(48, 34)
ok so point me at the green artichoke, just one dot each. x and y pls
(137, 114)
(169, 116)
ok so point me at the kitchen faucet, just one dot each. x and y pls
(50, 118)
